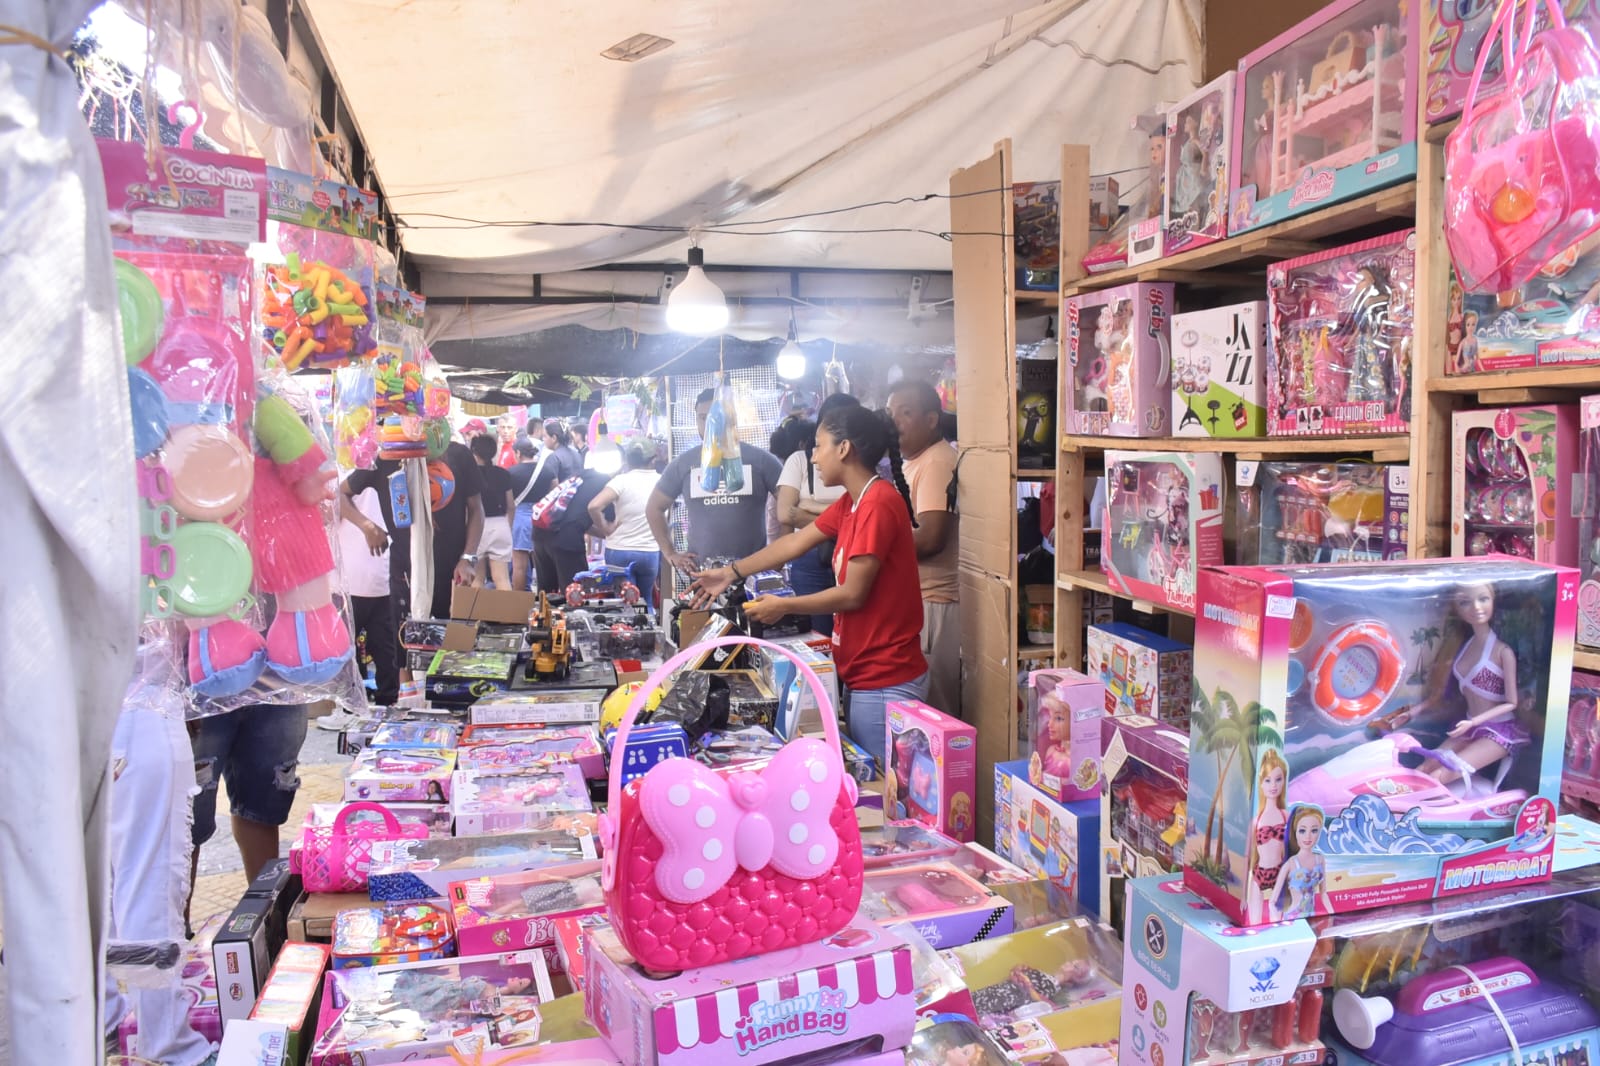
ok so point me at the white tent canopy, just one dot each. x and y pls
(759, 110)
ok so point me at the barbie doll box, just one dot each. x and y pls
(1119, 347)
(854, 989)
(1194, 209)
(1219, 371)
(499, 801)
(1197, 987)
(415, 775)
(1065, 710)
(932, 776)
(516, 911)
(424, 869)
(525, 747)
(1366, 735)
(1325, 111)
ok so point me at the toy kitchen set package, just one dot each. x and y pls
(1325, 111)
(1384, 754)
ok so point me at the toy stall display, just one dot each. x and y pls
(1511, 486)
(1143, 673)
(1219, 371)
(1119, 344)
(1056, 841)
(1456, 30)
(1163, 522)
(1549, 320)
(1339, 338)
(1580, 778)
(933, 769)
(1195, 200)
(1064, 712)
(1036, 209)
(1143, 806)
(1314, 512)
(1388, 754)
(1587, 507)
(1325, 111)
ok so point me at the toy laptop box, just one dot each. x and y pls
(1219, 371)
(1195, 205)
(1339, 339)
(1511, 490)
(1455, 30)
(1143, 806)
(1580, 778)
(1401, 729)
(424, 869)
(932, 775)
(1056, 841)
(1206, 992)
(1065, 708)
(1119, 345)
(400, 775)
(1143, 673)
(1587, 506)
(1325, 111)
(853, 990)
(1163, 521)
(1551, 320)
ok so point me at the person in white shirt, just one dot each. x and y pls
(364, 571)
(801, 498)
(629, 541)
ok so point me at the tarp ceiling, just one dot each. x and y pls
(499, 111)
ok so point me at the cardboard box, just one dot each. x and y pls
(854, 988)
(946, 906)
(532, 747)
(405, 870)
(491, 605)
(1036, 242)
(494, 802)
(199, 987)
(1143, 806)
(1512, 473)
(513, 912)
(256, 1043)
(242, 953)
(555, 706)
(291, 995)
(1146, 232)
(1036, 413)
(1588, 508)
(1144, 673)
(400, 776)
(933, 772)
(1056, 841)
(1219, 367)
(1064, 712)
(311, 917)
(797, 704)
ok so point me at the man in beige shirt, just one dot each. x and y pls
(930, 468)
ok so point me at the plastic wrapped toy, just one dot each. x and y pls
(1319, 513)
(390, 933)
(956, 1042)
(355, 427)
(720, 455)
(1512, 490)
(1340, 333)
(1119, 347)
(487, 802)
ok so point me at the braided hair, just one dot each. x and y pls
(872, 435)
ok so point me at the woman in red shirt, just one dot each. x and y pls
(877, 603)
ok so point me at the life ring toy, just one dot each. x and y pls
(1356, 672)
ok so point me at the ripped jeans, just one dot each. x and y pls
(257, 750)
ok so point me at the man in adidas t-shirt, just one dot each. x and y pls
(723, 524)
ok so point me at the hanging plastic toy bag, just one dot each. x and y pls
(355, 426)
(1522, 170)
(316, 304)
(721, 468)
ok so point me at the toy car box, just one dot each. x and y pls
(1353, 782)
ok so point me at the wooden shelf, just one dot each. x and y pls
(1035, 475)
(1034, 296)
(1096, 581)
(1028, 653)
(1282, 240)
(1390, 448)
(1539, 377)
(1586, 658)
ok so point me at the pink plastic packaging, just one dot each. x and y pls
(1340, 340)
(511, 912)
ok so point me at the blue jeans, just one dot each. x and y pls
(256, 749)
(646, 570)
(867, 713)
(809, 574)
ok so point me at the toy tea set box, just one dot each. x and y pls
(1119, 344)
(1399, 732)
(1511, 489)
(932, 776)
(1325, 111)
(1163, 522)
(1219, 371)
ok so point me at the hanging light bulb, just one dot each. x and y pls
(1048, 348)
(791, 361)
(696, 306)
(604, 455)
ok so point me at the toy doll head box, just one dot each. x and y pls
(1421, 708)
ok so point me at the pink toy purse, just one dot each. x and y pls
(705, 866)
(336, 858)
(1522, 170)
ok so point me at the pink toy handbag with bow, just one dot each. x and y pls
(705, 866)
(1522, 170)
(336, 858)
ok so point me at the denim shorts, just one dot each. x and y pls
(256, 749)
(522, 528)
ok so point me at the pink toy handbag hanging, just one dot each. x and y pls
(705, 866)
(1522, 170)
(336, 858)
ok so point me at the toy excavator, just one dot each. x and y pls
(549, 652)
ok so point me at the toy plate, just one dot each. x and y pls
(140, 309)
(213, 569)
(212, 472)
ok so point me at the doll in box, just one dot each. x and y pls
(1027, 986)
(1302, 882)
(1485, 673)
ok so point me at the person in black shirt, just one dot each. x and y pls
(554, 565)
(494, 548)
